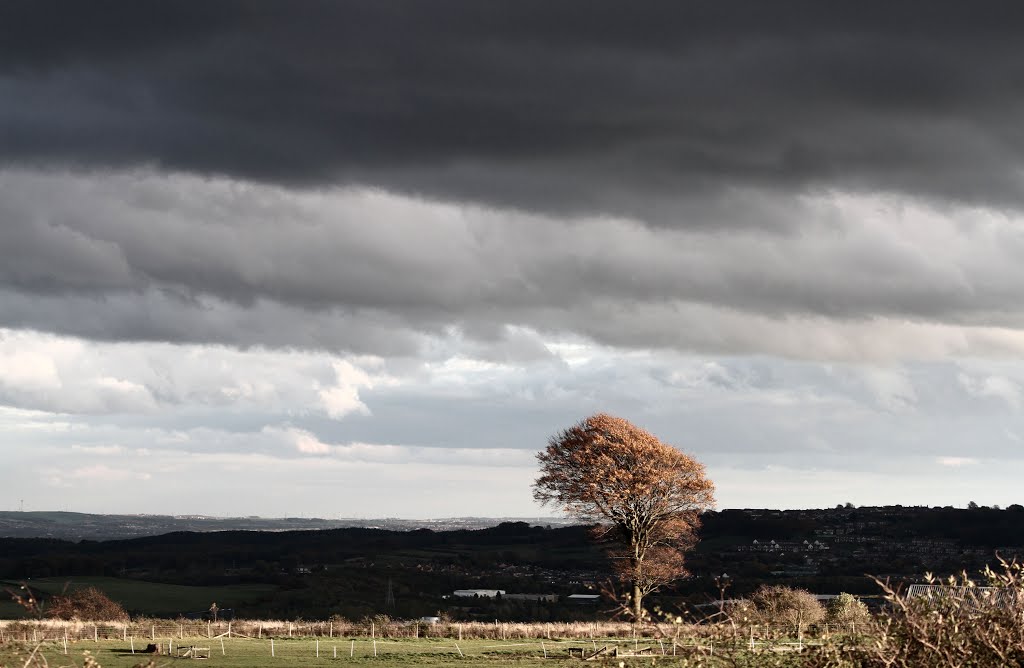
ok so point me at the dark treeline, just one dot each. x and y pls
(320, 572)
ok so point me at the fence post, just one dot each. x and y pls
(352, 649)
(222, 652)
(271, 647)
(318, 648)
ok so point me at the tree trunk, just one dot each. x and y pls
(638, 601)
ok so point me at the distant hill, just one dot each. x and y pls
(79, 526)
(319, 571)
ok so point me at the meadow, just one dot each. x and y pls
(239, 652)
(158, 599)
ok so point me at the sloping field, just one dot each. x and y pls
(149, 598)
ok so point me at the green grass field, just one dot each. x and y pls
(240, 652)
(149, 598)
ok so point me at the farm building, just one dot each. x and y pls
(479, 593)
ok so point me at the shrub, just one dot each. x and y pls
(86, 604)
(847, 609)
(784, 605)
(959, 625)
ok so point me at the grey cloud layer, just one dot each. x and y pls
(157, 256)
(581, 106)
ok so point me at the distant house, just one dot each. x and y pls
(479, 593)
(583, 599)
(538, 598)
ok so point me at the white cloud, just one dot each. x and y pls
(999, 387)
(891, 388)
(957, 462)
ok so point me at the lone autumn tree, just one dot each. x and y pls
(644, 496)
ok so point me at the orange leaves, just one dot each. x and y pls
(647, 494)
(605, 461)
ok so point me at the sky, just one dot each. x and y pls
(362, 259)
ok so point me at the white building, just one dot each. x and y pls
(480, 593)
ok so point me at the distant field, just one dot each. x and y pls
(148, 598)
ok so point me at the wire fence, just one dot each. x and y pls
(304, 650)
(164, 630)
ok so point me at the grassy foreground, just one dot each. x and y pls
(241, 652)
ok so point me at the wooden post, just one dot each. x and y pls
(261, 629)
(375, 647)
(289, 629)
(352, 649)
(751, 638)
(209, 629)
(181, 632)
(460, 632)
(544, 648)
(318, 648)
(460, 651)
(133, 644)
(271, 647)
(152, 633)
(662, 647)
(335, 651)
(95, 633)
(229, 629)
(65, 641)
(373, 630)
(222, 652)
(332, 629)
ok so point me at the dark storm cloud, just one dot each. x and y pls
(571, 106)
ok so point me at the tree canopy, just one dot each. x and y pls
(644, 495)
